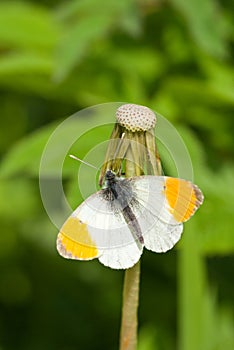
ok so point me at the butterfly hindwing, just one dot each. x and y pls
(95, 230)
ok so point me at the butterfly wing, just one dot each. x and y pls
(98, 229)
(162, 237)
(95, 230)
(167, 203)
(172, 200)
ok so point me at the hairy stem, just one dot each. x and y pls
(128, 332)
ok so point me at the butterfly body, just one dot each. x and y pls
(121, 197)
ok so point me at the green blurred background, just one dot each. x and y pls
(57, 57)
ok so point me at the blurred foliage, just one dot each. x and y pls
(57, 57)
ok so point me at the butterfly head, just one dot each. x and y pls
(110, 176)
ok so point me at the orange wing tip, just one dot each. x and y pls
(70, 249)
(183, 197)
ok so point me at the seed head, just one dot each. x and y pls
(135, 117)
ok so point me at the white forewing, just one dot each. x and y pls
(160, 230)
(107, 228)
(151, 196)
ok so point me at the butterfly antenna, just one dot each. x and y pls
(82, 161)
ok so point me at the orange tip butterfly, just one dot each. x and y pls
(115, 223)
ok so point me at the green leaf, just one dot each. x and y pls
(215, 232)
(85, 23)
(25, 25)
(190, 90)
(25, 63)
(216, 228)
(17, 199)
(221, 78)
(51, 144)
(206, 23)
(77, 40)
(24, 157)
(191, 274)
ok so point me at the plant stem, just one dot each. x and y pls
(128, 333)
(137, 151)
